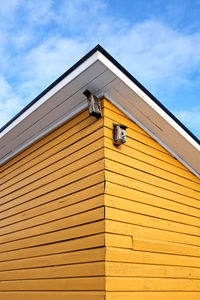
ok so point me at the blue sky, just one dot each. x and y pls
(157, 41)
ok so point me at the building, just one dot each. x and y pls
(82, 218)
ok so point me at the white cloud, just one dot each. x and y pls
(51, 38)
(76, 14)
(7, 10)
(150, 50)
(38, 13)
(10, 104)
(191, 118)
(48, 61)
(154, 52)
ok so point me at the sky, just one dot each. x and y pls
(157, 41)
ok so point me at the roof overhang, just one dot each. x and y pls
(102, 75)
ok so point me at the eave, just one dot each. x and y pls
(102, 75)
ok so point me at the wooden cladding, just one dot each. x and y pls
(83, 219)
(152, 219)
(52, 219)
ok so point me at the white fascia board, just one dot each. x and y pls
(86, 64)
(147, 99)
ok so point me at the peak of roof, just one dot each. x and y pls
(99, 71)
(104, 52)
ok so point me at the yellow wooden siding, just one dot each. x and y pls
(82, 219)
(52, 295)
(152, 219)
(52, 242)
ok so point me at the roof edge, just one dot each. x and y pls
(132, 78)
(121, 68)
(150, 133)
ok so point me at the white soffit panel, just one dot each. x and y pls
(66, 101)
(61, 110)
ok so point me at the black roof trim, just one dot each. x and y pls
(121, 68)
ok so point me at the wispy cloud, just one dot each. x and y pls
(45, 63)
(190, 117)
(50, 36)
(9, 101)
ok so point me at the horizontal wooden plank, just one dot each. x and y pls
(149, 188)
(147, 233)
(150, 210)
(64, 284)
(118, 117)
(64, 245)
(32, 183)
(126, 159)
(53, 163)
(116, 240)
(55, 186)
(150, 245)
(53, 215)
(67, 174)
(67, 195)
(147, 270)
(55, 146)
(153, 284)
(168, 295)
(76, 270)
(94, 246)
(114, 254)
(53, 232)
(53, 221)
(167, 185)
(154, 222)
(112, 112)
(153, 161)
(143, 197)
(56, 132)
(59, 295)
(164, 247)
(131, 133)
(139, 146)
(41, 144)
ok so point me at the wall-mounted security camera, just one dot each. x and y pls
(94, 105)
